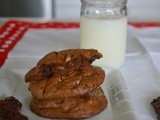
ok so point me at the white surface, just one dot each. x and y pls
(144, 10)
(141, 70)
(68, 9)
(48, 8)
(100, 34)
(120, 105)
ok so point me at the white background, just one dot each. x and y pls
(138, 10)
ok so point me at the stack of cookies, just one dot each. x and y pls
(65, 85)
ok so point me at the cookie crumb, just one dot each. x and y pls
(156, 105)
(10, 109)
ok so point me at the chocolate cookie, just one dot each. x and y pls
(62, 62)
(71, 108)
(69, 84)
(67, 55)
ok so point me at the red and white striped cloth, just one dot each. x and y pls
(13, 30)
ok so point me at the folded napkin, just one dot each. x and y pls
(141, 70)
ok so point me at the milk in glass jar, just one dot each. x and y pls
(103, 26)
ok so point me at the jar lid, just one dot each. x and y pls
(105, 1)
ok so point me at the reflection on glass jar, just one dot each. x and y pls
(103, 26)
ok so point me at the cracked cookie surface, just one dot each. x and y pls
(67, 85)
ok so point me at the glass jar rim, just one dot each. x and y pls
(104, 1)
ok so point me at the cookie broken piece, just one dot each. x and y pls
(62, 62)
(65, 56)
(10, 109)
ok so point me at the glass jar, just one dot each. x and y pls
(103, 26)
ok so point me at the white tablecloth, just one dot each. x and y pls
(141, 70)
